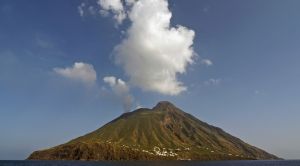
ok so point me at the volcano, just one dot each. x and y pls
(164, 132)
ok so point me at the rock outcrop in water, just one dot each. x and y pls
(162, 133)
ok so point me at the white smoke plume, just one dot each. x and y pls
(121, 90)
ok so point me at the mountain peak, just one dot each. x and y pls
(164, 106)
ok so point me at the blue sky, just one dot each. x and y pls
(250, 89)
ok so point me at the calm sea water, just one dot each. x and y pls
(151, 163)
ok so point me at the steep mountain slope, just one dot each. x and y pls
(163, 132)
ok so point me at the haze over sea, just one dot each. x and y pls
(151, 163)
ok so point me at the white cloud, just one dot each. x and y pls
(121, 90)
(259, 92)
(43, 41)
(207, 62)
(81, 9)
(114, 6)
(80, 72)
(92, 10)
(153, 53)
(206, 9)
(104, 13)
(213, 81)
(85, 9)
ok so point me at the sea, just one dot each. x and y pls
(150, 163)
